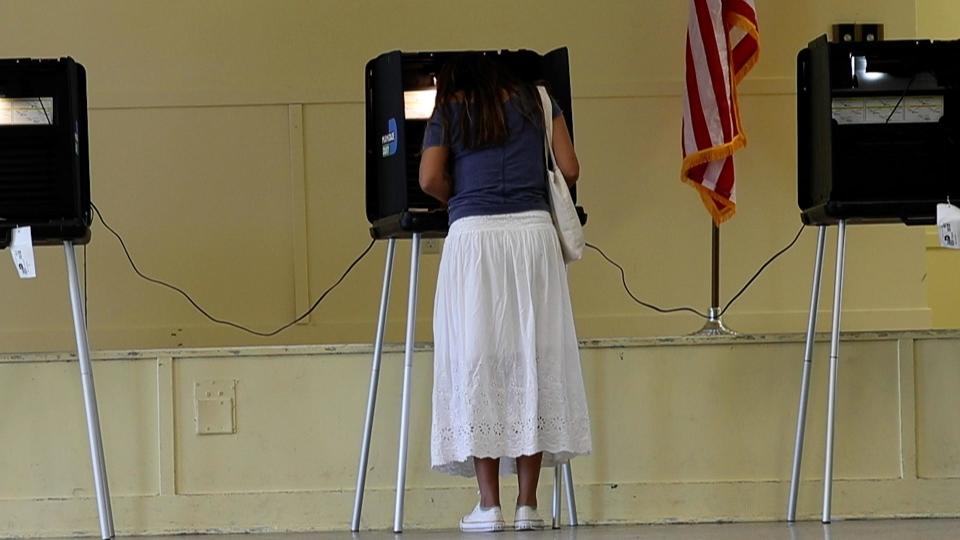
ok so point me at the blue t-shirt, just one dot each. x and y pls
(496, 179)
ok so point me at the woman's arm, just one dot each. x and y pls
(434, 178)
(563, 150)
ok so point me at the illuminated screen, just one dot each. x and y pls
(418, 104)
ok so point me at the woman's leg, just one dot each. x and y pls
(488, 478)
(528, 475)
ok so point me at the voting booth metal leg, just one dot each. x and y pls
(563, 473)
(834, 361)
(89, 397)
(557, 496)
(805, 379)
(407, 372)
(571, 499)
(563, 482)
(374, 382)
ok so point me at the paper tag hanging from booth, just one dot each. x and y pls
(21, 249)
(948, 225)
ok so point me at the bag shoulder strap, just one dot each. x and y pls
(547, 127)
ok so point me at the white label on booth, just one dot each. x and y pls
(21, 249)
(883, 110)
(948, 223)
(37, 111)
(888, 109)
(923, 109)
(849, 110)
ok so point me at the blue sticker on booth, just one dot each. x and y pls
(389, 140)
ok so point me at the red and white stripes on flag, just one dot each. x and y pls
(723, 43)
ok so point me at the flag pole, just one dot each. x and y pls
(714, 326)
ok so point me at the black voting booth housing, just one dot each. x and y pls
(45, 185)
(395, 204)
(878, 125)
(44, 164)
(878, 129)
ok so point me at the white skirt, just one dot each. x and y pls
(506, 379)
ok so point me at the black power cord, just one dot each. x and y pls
(902, 96)
(623, 279)
(45, 115)
(205, 313)
(762, 268)
(222, 321)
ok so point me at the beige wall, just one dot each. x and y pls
(683, 430)
(940, 19)
(226, 143)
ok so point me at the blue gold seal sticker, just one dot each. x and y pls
(389, 140)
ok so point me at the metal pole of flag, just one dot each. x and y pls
(714, 326)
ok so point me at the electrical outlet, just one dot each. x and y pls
(871, 32)
(215, 406)
(844, 33)
(431, 246)
(854, 32)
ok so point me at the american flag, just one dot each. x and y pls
(723, 43)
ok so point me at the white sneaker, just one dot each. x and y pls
(527, 519)
(482, 520)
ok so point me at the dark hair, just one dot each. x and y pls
(478, 84)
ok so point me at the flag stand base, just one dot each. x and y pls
(714, 326)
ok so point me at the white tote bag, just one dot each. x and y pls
(564, 213)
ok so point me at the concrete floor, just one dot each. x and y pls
(909, 529)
